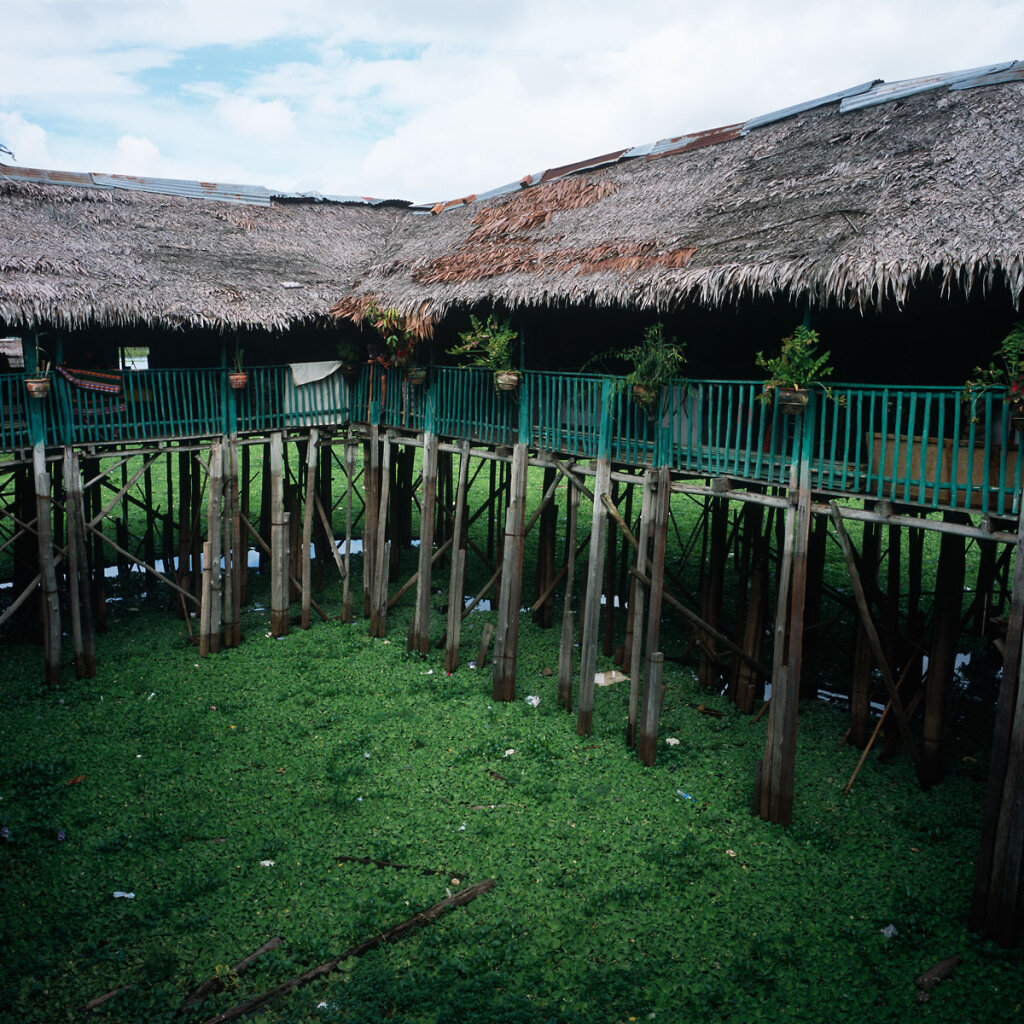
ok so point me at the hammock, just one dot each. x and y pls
(92, 380)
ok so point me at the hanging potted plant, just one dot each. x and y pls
(38, 386)
(238, 377)
(1008, 373)
(794, 371)
(397, 342)
(489, 344)
(655, 360)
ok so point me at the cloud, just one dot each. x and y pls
(136, 155)
(26, 140)
(427, 101)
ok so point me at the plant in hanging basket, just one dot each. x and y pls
(1008, 374)
(38, 386)
(655, 360)
(237, 376)
(794, 371)
(488, 344)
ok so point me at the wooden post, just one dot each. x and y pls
(949, 591)
(74, 567)
(608, 648)
(507, 637)
(647, 743)
(778, 766)
(420, 637)
(654, 694)
(379, 594)
(279, 559)
(863, 659)
(50, 610)
(241, 508)
(206, 601)
(565, 650)
(714, 580)
(307, 524)
(636, 609)
(998, 867)
(346, 590)
(546, 556)
(91, 468)
(371, 505)
(79, 579)
(236, 553)
(213, 533)
(592, 596)
(457, 579)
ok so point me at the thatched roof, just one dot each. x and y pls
(81, 256)
(853, 208)
(851, 200)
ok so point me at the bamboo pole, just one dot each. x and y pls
(307, 523)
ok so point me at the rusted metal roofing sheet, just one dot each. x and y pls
(698, 140)
(581, 165)
(799, 108)
(888, 91)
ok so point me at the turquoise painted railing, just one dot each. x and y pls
(919, 446)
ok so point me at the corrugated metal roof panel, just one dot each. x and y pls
(250, 195)
(696, 141)
(799, 108)
(886, 92)
(1015, 73)
(38, 174)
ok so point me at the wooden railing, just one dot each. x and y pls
(912, 445)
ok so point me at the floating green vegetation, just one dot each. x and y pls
(234, 798)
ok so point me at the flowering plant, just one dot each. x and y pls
(1007, 373)
(399, 341)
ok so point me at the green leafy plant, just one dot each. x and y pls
(488, 343)
(349, 353)
(238, 360)
(43, 363)
(399, 340)
(798, 365)
(655, 360)
(1007, 372)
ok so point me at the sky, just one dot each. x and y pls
(434, 99)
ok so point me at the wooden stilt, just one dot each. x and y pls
(346, 589)
(507, 636)
(608, 633)
(654, 694)
(279, 559)
(50, 610)
(647, 741)
(307, 524)
(714, 582)
(242, 509)
(237, 553)
(863, 659)
(542, 614)
(213, 533)
(565, 650)
(812, 605)
(74, 567)
(379, 595)
(949, 591)
(371, 506)
(206, 601)
(420, 638)
(636, 609)
(998, 867)
(457, 578)
(82, 582)
(592, 609)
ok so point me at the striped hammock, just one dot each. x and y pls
(92, 380)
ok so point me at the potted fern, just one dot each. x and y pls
(793, 372)
(488, 343)
(655, 360)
